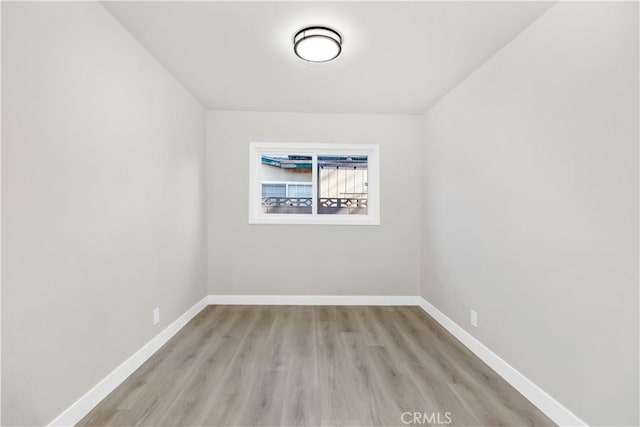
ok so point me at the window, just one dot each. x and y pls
(313, 184)
(299, 190)
(274, 190)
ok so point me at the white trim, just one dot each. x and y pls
(547, 404)
(314, 185)
(256, 149)
(74, 413)
(538, 397)
(312, 300)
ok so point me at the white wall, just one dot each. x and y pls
(313, 259)
(530, 214)
(103, 180)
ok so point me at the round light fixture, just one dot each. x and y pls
(317, 44)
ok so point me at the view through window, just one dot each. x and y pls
(342, 185)
(286, 184)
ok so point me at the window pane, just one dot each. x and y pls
(286, 184)
(342, 185)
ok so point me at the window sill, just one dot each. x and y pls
(313, 220)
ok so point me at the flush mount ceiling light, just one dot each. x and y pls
(317, 44)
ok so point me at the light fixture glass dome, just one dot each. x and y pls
(317, 44)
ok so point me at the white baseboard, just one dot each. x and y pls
(312, 300)
(547, 404)
(74, 413)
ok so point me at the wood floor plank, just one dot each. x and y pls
(306, 365)
(301, 405)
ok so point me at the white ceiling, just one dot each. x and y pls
(398, 57)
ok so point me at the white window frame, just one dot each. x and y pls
(257, 149)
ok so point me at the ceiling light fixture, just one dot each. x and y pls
(317, 44)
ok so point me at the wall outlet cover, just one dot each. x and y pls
(474, 318)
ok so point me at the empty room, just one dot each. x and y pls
(320, 213)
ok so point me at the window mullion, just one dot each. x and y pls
(314, 184)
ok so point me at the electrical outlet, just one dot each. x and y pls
(156, 315)
(474, 318)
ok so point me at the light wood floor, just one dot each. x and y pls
(303, 365)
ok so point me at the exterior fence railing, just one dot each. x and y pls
(286, 205)
(326, 205)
